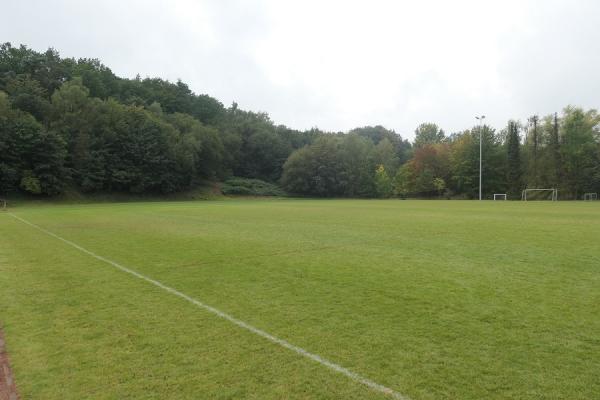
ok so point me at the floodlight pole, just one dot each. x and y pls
(480, 119)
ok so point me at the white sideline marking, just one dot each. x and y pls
(323, 361)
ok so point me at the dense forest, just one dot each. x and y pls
(67, 123)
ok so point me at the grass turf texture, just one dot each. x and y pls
(434, 299)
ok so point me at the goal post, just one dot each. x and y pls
(539, 194)
(499, 196)
(590, 196)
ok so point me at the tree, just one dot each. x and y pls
(200, 144)
(314, 170)
(402, 184)
(98, 78)
(27, 95)
(259, 150)
(513, 159)
(440, 185)
(377, 134)
(429, 162)
(79, 121)
(299, 172)
(31, 158)
(383, 182)
(424, 182)
(385, 154)
(332, 166)
(533, 144)
(265, 154)
(140, 155)
(428, 133)
(73, 122)
(556, 162)
(464, 161)
(579, 149)
(357, 166)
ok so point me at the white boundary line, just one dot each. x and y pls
(323, 361)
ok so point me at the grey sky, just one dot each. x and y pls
(340, 64)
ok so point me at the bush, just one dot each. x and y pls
(30, 183)
(250, 187)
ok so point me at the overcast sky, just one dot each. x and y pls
(340, 64)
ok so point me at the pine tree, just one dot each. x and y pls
(514, 159)
(555, 153)
(535, 142)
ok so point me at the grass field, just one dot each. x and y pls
(433, 299)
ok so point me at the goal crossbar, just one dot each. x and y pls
(554, 193)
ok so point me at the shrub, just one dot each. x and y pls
(250, 187)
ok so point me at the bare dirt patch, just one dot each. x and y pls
(8, 389)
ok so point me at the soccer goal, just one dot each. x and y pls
(2, 204)
(590, 196)
(539, 194)
(499, 196)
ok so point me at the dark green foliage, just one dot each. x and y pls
(250, 187)
(260, 149)
(73, 123)
(138, 135)
(99, 79)
(46, 68)
(345, 165)
(26, 94)
(31, 158)
(377, 134)
(555, 157)
(199, 148)
(315, 170)
(580, 151)
(514, 159)
(140, 156)
(173, 97)
(464, 163)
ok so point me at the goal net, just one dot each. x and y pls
(539, 194)
(590, 196)
(499, 196)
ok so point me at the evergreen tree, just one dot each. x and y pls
(514, 159)
(555, 154)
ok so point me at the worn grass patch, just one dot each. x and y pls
(434, 299)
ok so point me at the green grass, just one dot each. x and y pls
(434, 299)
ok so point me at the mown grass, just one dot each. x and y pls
(435, 299)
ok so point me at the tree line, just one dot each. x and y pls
(67, 123)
